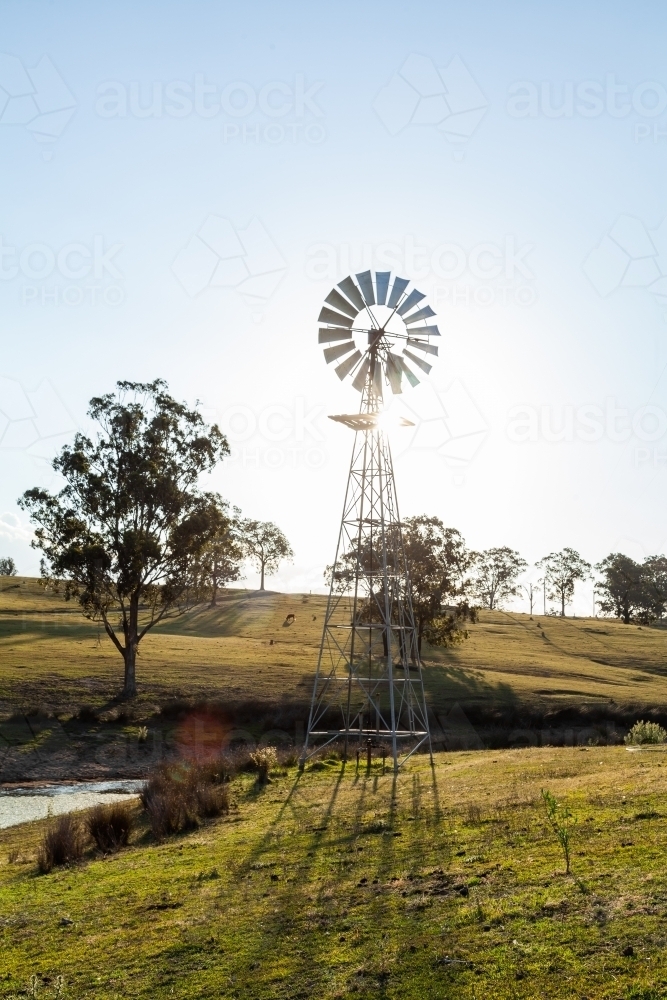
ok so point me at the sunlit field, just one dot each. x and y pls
(245, 650)
(343, 881)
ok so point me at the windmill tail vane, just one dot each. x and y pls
(369, 684)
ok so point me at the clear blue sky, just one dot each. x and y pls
(296, 126)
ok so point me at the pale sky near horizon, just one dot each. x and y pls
(508, 158)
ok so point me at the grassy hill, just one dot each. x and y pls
(243, 651)
(349, 883)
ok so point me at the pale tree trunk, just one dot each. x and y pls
(261, 586)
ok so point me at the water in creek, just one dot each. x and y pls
(22, 805)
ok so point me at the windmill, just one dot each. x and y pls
(369, 683)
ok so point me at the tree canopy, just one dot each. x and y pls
(630, 590)
(265, 545)
(496, 573)
(560, 572)
(220, 561)
(439, 564)
(126, 530)
(7, 566)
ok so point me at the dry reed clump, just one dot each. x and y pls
(62, 844)
(178, 797)
(264, 759)
(110, 826)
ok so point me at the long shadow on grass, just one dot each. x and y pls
(368, 904)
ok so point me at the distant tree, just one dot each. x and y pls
(265, 545)
(654, 574)
(127, 529)
(439, 563)
(630, 590)
(561, 570)
(7, 567)
(496, 574)
(221, 558)
(529, 591)
(621, 587)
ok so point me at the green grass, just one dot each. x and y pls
(336, 883)
(243, 650)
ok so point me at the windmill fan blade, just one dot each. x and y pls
(338, 351)
(327, 336)
(400, 284)
(382, 286)
(336, 300)
(348, 365)
(365, 280)
(417, 361)
(360, 378)
(329, 316)
(421, 345)
(348, 287)
(430, 331)
(413, 298)
(394, 372)
(420, 314)
(411, 377)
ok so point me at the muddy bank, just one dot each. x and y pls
(88, 747)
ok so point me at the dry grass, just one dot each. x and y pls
(179, 796)
(110, 826)
(63, 843)
(242, 651)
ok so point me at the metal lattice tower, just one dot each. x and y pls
(369, 682)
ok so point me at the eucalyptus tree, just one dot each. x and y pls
(125, 532)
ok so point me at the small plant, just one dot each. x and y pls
(142, 734)
(264, 760)
(62, 844)
(561, 820)
(645, 732)
(473, 814)
(110, 826)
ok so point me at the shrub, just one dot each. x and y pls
(62, 844)
(142, 734)
(264, 760)
(645, 732)
(110, 826)
(179, 797)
